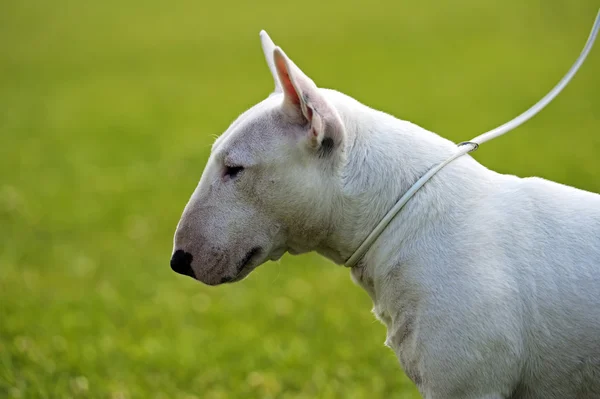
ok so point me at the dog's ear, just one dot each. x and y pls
(304, 101)
(268, 47)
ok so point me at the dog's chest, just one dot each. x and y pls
(398, 313)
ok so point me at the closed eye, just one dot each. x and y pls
(231, 172)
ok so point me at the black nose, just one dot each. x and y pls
(181, 262)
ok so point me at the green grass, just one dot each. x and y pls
(107, 113)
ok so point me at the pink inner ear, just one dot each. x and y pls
(288, 87)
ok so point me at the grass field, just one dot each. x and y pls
(107, 113)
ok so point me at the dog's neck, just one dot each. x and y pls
(385, 156)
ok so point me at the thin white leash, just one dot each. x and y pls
(472, 145)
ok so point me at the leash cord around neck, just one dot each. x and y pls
(472, 145)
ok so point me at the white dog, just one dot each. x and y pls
(489, 284)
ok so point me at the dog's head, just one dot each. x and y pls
(270, 184)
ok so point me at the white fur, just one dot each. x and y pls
(489, 284)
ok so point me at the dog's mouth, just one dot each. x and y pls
(246, 265)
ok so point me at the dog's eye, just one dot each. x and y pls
(232, 172)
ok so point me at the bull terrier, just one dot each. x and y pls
(488, 284)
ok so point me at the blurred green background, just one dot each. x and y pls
(107, 113)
